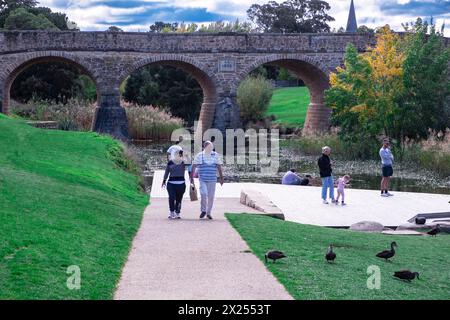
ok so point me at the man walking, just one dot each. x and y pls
(386, 168)
(208, 163)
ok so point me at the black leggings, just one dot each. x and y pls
(176, 192)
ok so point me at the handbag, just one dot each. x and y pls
(193, 192)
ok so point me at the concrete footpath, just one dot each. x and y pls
(194, 259)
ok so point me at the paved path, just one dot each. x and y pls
(194, 259)
(303, 204)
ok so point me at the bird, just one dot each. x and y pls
(406, 275)
(387, 254)
(330, 256)
(435, 230)
(274, 255)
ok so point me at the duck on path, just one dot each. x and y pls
(387, 254)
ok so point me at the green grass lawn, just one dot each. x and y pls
(289, 105)
(306, 275)
(64, 200)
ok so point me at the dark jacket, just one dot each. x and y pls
(175, 172)
(324, 163)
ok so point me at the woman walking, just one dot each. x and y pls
(176, 185)
(325, 163)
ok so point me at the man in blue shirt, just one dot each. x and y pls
(208, 163)
(386, 167)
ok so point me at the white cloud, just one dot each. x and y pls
(88, 13)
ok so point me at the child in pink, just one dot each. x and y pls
(341, 184)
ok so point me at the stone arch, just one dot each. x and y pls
(314, 74)
(11, 71)
(207, 81)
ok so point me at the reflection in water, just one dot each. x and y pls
(365, 174)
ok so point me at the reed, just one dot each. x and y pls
(145, 122)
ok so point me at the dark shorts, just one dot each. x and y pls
(387, 171)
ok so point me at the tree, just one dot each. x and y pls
(426, 81)
(364, 94)
(253, 98)
(21, 19)
(6, 6)
(163, 27)
(168, 87)
(365, 29)
(114, 29)
(221, 26)
(291, 16)
(54, 81)
(60, 20)
(13, 4)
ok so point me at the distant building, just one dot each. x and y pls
(352, 26)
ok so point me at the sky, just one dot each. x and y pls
(137, 15)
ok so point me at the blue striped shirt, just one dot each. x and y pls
(207, 165)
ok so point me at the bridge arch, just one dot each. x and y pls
(314, 74)
(12, 70)
(207, 80)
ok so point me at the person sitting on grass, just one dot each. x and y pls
(341, 184)
(293, 179)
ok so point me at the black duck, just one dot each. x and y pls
(274, 255)
(387, 254)
(406, 275)
(330, 256)
(435, 230)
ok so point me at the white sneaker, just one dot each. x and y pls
(389, 194)
(178, 216)
(325, 202)
(172, 215)
(384, 195)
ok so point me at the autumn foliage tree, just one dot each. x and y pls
(397, 88)
(363, 93)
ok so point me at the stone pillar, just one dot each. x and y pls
(111, 118)
(318, 118)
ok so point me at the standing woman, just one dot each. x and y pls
(324, 163)
(176, 185)
(386, 168)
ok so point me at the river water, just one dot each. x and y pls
(364, 174)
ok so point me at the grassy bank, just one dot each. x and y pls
(306, 275)
(65, 200)
(289, 106)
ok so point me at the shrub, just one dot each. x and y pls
(432, 153)
(253, 98)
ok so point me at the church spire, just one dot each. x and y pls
(352, 26)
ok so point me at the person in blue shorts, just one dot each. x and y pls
(387, 159)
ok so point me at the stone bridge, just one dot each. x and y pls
(219, 62)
